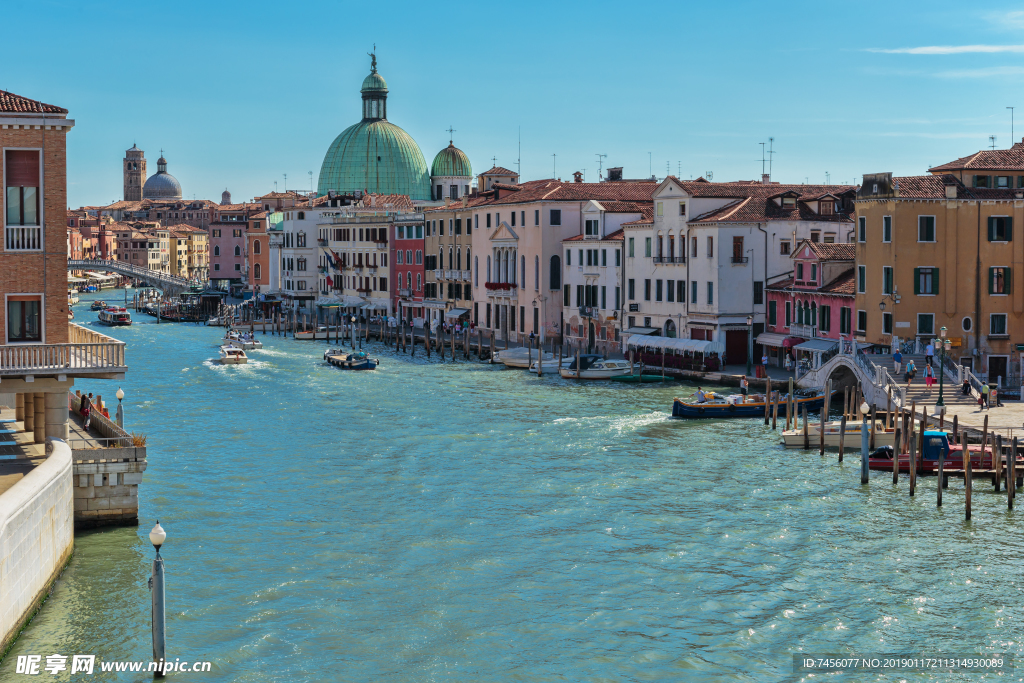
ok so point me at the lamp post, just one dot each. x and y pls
(120, 412)
(750, 341)
(864, 409)
(944, 344)
(156, 585)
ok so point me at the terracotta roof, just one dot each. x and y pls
(626, 207)
(934, 187)
(9, 102)
(456, 205)
(755, 202)
(988, 160)
(555, 191)
(843, 284)
(618, 235)
(261, 214)
(394, 202)
(831, 251)
(781, 284)
(290, 194)
(498, 170)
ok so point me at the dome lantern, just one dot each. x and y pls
(161, 185)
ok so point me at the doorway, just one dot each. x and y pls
(736, 347)
(997, 366)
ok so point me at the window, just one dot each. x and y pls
(300, 263)
(618, 259)
(887, 228)
(383, 284)
(661, 211)
(631, 247)
(816, 236)
(999, 280)
(24, 319)
(966, 324)
(256, 247)
(682, 208)
(419, 257)
(758, 292)
(590, 227)
(618, 298)
(238, 267)
(926, 281)
(657, 290)
(237, 232)
(216, 266)
(862, 321)
(693, 292)
(825, 318)
(522, 221)
(711, 247)
(604, 300)
(555, 273)
(408, 257)
(926, 228)
(1000, 228)
(862, 229)
(789, 313)
(670, 290)
(981, 181)
(513, 219)
(711, 293)
(216, 250)
(737, 249)
(814, 272)
(579, 295)
(647, 247)
(22, 194)
(647, 290)
(556, 217)
(693, 247)
(862, 279)
(997, 324)
(631, 289)
(604, 257)
(536, 216)
(238, 250)
(844, 320)
(772, 312)
(681, 291)
(886, 279)
(784, 247)
(925, 323)
(257, 271)
(800, 271)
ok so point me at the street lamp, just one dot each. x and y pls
(120, 412)
(944, 344)
(864, 410)
(750, 341)
(156, 584)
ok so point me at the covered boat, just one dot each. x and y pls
(357, 360)
(594, 366)
(98, 305)
(243, 340)
(232, 355)
(115, 316)
(736, 405)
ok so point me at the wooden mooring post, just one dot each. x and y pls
(1011, 475)
(896, 455)
(807, 442)
(824, 417)
(969, 475)
(775, 411)
(997, 457)
(942, 475)
(913, 460)
(767, 392)
(842, 436)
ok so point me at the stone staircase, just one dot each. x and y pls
(920, 394)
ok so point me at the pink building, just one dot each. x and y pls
(813, 301)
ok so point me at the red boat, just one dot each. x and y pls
(935, 442)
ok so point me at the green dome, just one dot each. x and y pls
(374, 83)
(451, 161)
(376, 156)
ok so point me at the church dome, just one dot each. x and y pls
(375, 155)
(161, 185)
(451, 161)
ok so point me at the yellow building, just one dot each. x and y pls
(939, 251)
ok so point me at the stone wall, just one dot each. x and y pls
(36, 538)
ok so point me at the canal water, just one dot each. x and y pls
(464, 522)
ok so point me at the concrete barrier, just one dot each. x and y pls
(36, 538)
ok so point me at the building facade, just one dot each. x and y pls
(407, 266)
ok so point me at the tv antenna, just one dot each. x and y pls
(827, 177)
(285, 182)
(310, 180)
(763, 160)
(771, 152)
(600, 166)
(554, 165)
(991, 141)
(519, 158)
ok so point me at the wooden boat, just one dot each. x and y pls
(321, 332)
(522, 358)
(736, 405)
(928, 460)
(642, 378)
(98, 305)
(794, 438)
(350, 361)
(115, 316)
(72, 297)
(242, 340)
(232, 355)
(550, 366)
(594, 366)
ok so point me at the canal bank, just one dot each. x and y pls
(465, 522)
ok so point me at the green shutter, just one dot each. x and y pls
(935, 280)
(771, 313)
(917, 280)
(991, 229)
(1009, 280)
(1009, 228)
(991, 279)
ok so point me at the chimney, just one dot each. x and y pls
(373, 200)
(950, 191)
(765, 178)
(447, 201)
(615, 173)
(577, 177)
(465, 201)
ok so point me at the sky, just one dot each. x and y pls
(240, 94)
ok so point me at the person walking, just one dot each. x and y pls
(994, 399)
(911, 371)
(929, 377)
(897, 361)
(86, 410)
(983, 398)
(929, 353)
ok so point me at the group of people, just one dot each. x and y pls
(987, 397)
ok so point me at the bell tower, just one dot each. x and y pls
(134, 174)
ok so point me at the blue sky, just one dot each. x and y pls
(238, 94)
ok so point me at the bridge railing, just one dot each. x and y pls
(126, 268)
(87, 351)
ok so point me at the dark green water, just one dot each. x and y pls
(430, 522)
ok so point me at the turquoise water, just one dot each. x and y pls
(462, 522)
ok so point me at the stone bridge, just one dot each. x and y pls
(848, 367)
(171, 285)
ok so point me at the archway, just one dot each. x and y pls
(670, 329)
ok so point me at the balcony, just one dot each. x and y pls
(87, 353)
(438, 274)
(589, 312)
(405, 292)
(364, 290)
(669, 259)
(806, 331)
(500, 289)
(740, 259)
(23, 238)
(322, 243)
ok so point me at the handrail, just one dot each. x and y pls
(830, 353)
(899, 393)
(85, 350)
(951, 368)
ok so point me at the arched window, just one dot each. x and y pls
(257, 271)
(458, 259)
(256, 247)
(555, 274)
(301, 240)
(216, 250)
(799, 313)
(238, 250)
(468, 250)
(419, 281)
(408, 280)
(814, 313)
(536, 273)
(476, 271)
(488, 269)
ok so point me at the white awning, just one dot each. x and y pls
(99, 276)
(675, 344)
(770, 339)
(76, 279)
(816, 345)
(456, 313)
(429, 304)
(642, 330)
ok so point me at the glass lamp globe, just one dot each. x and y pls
(120, 393)
(157, 535)
(865, 408)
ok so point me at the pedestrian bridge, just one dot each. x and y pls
(171, 285)
(846, 365)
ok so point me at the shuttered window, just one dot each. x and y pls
(926, 280)
(21, 194)
(1000, 229)
(999, 280)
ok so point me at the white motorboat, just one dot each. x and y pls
(794, 438)
(232, 355)
(551, 366)
(243, 340)
(72, 297)
(115, 315)
(520, 357)
(594, 366)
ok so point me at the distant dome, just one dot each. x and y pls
(225, 197)
(374, 83)
(161, 185)
(451, 161)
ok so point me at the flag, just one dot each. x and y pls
(330, 282)
(329, 260)
(338, 259)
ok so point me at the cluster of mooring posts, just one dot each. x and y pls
(909, 442)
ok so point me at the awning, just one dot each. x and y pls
(431, 304)
(771, 339)
(642, 330)
(675, 344)
(76, 279)
(99, 276)
(456, 313)
(816, 345)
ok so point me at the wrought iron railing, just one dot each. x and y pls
(830, 353)
(899, 393)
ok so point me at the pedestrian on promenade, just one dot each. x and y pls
(983, 398)
(86, 410)
(911, 371)
(897, 362)
(929, 353)
(929, 377)
(994, 401)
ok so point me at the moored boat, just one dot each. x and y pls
(935, 442)
(232, 355)
(594, 366)
(72, 297)
(358, 360)
(115, 316)
(642, 378)
(794, 438)
(522, 358)
(550, 366)
(321, 332)
(736, 405)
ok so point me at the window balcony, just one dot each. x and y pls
(740, 259)
(23, 238)
(799, 330)
(670, 259)
(405, 292)
(322, 243)
(87, 354)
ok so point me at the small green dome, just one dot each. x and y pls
(374, 83)
(376, 156)
(451, 161)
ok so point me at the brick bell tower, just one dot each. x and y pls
(134, 174)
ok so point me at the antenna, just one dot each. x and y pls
(762, 157)
(494, 161)
(600, 166)
(519, 159)
(285, 182)
(1011, 124)
(275, 186)
(310, 180)
(827, 177)
(554, 172)
(650, 169)
(991, 141)
(771, 152)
